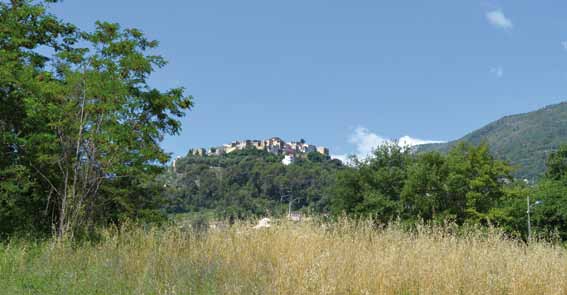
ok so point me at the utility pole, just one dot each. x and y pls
(290, 201)
(286, 194)
(290, 198)
(289, 207)
(529, 220)
(529, 211)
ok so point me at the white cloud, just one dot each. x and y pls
(343, 158)
(366, 141)
(499, 20)
(497, 71)
(564, 45)
(410, 141)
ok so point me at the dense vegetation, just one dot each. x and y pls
(79, 125)
(467, 185)
(523, 140)
(250, 183)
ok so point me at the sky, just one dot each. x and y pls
(346, 74)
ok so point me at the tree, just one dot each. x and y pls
(474, 182)
(25, 26)
(463, 185)
(84, 125)
(424, 193)
(317, 157)
(373, 186)
(557, 164)
(107, 123)
(550, 216)
(250, 182)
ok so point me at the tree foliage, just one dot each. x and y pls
(550, 214)
(249, 183)
(80, 126)
(462, 185)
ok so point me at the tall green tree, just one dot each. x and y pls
(556, 164)
(83, 125)
(25, 26)
(373, 186)
(475, 181)
(549, 217)
(106, 123)
(424, 194)
(464, 185)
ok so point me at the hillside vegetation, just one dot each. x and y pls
(308, 258)
(524, 140)
(248, 183)
(467, 185)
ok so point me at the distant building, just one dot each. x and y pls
(198, 152)
(244, 144)
(274, 145)
(174, 165)
(288, 160)
(308, 148)
(231, 147)
(215, 151)
(288, 150)
(293, 146)
(323, 150)
(277, 142)
(259, 144)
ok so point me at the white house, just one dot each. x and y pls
(288, 159)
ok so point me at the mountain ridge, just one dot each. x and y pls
(524, 140)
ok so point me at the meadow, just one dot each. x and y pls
(288, 258)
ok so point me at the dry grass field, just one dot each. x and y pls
(287, 258)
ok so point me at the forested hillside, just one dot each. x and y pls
(250, 183)
(524, 140)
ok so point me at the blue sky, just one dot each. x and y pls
(346, 74)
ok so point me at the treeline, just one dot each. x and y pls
(250, 183)
(466, 186)
(80, 126)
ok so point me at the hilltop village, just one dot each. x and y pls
(274, 145)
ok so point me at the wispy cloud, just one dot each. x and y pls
(564, 45)
(344, 158)
(410, 141)
(499, 20)
(366, 142)
(497, 71)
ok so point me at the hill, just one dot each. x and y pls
(524, 140)
(249, 182)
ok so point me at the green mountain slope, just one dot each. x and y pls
(524, 140)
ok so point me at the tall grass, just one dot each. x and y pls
(308, 258)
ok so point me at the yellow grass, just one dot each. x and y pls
(286, 259)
